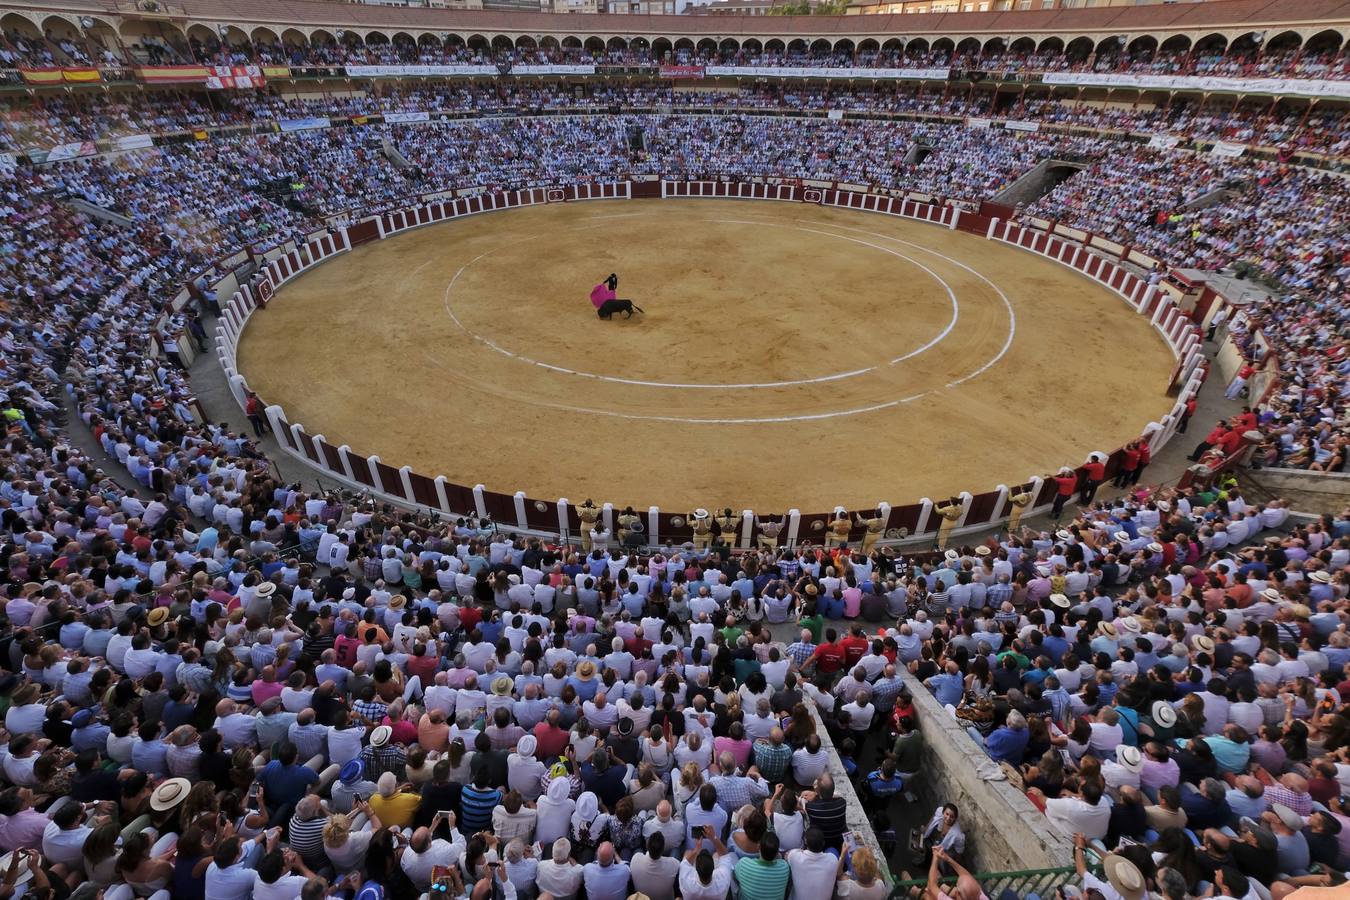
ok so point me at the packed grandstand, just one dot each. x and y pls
(218, 684)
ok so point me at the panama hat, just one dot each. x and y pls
(1292, 820)
(1271, 594)
(1164, 714)
(700, 513)
(1060, 600)
(157, 616)
(513, 578)
(1155, 547)
(1145, 530)
(1321, 577)
(351, 772)
(1204, 643)
(1131, 624)
(169, 794)
(585, 670)
(982, 550)
(501, 685)
(266, 589)
(397, 601)
(1107, 629)
(1124, 876)
(1064, 534)
(1122, 536)
(1130, 759)
(380, 736)
(952, 555)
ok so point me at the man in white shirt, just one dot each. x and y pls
(63, 838)
(670, 828)
(809, 762)
(813, 868)
(230, 875)
(1087, 813)
(423, 853)
(653, 872)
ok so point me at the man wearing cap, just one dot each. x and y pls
(382, 755)
(1123, 771)
(351, 788)
(1291, 847)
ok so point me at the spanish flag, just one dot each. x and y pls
(41, 76)
(81, 75)
(200, 134)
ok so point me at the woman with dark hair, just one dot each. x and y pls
(1174, 850)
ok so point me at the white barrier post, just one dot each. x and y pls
(794, 525)
(373, 463)
(653, 525)
(480, 504)
(564, 527)
(343, 452)
(993, 223)
(925, 511)
(441, 495)
(317, 443)
(522, 520)
(405, 476)
(747, 528)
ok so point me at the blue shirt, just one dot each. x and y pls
(1007, 745)
(947, 688)
(284, 784)
(606, 882)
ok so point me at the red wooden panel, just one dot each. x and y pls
(360, 469)
(543, 520)
(306, 446)
(982, 508)
(1047, 493)
(331, 457)
(812, 527)
(669, 532)
(501, 507)
(392, 481)
(460, 498)
(424, 491)
(906, 517)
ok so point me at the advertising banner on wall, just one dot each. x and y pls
(417, 71)
(553, 70)
(1163, 141)
(976, 122)
(681, 71)
(1227, 149)
(825, 72)
(71, 151)
(303, 124)
(1304, 87)
(133, 142)
(1016, 125)
(406, 118)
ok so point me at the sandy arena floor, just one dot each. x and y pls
(790, 355)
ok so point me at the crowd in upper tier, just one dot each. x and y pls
(1320, 58)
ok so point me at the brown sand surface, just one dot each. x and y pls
(789, 355)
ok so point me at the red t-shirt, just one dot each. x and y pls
(1230, 442)
(1065, 485)
(854, 649)
(1145, 455)
(1129, 461)
(829, 658)
(1095, 471)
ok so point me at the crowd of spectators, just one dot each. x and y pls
(1167, 679)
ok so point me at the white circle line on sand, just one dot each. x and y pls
(821, 379)
(769, 420)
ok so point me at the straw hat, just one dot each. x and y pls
(1124, 876)
(952, 555)
(982, 550)
(1064, 534)
(266, 589)
(501, 686)
(585, 670)
(1130, 759)
(1204, 643)
(1108, 629)
(380, 736)
(1131, 624)
(157, 616)
(169, 794)
(1321, 577)
(1164, 714)
(1060, 600)
(1155, 547)
(1271, 594)
(1122, 536)
(397, 601)
(700, 513)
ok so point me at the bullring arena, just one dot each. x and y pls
(961, 513)
(779, 340)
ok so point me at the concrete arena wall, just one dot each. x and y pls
(912, 524)
(1004, 831)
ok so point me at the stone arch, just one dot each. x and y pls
(944, 45)
(572, 43)
(1110, 46)
(774, 45)
(376, 39)
(752, 46)
(893, 45)
(1213, 44)
(1176, 45)
(1329, 41)
(1246, 45)
(1051, 45)
(795, 47)
(661, 48)
(477, 43)
(1284, 42)
(1023, 46)
(844, 45)
(685, 44)
(916, 46)
(1143, 47)
(616, 44)
(593, 45)
(820, 46)
(869, 47)
(994, 47)
(729, 45)
(706, 47)
(525, 42)
(968, 46)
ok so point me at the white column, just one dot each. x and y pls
(965, 507)
(296, 441)
(607, 516)
(479, 503)
(274, 415)
(794, 525)
(654, 525)
(925, 511)
(346, 239)
(317, 443)
(956, 217)
(405, 476)
(564, 526)
(993, 223)
(747, 528)
(237, 387)
(379, 225)
(373, 463)
(1001, 501)
(1158, 313)
(441, 494)
(521, 519)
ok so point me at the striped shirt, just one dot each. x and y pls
(828, 816)
(761, 880)
(306, 838)
(476, 806)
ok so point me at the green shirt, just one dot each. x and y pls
(760, 880)
(813, 624)
(730, 634)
